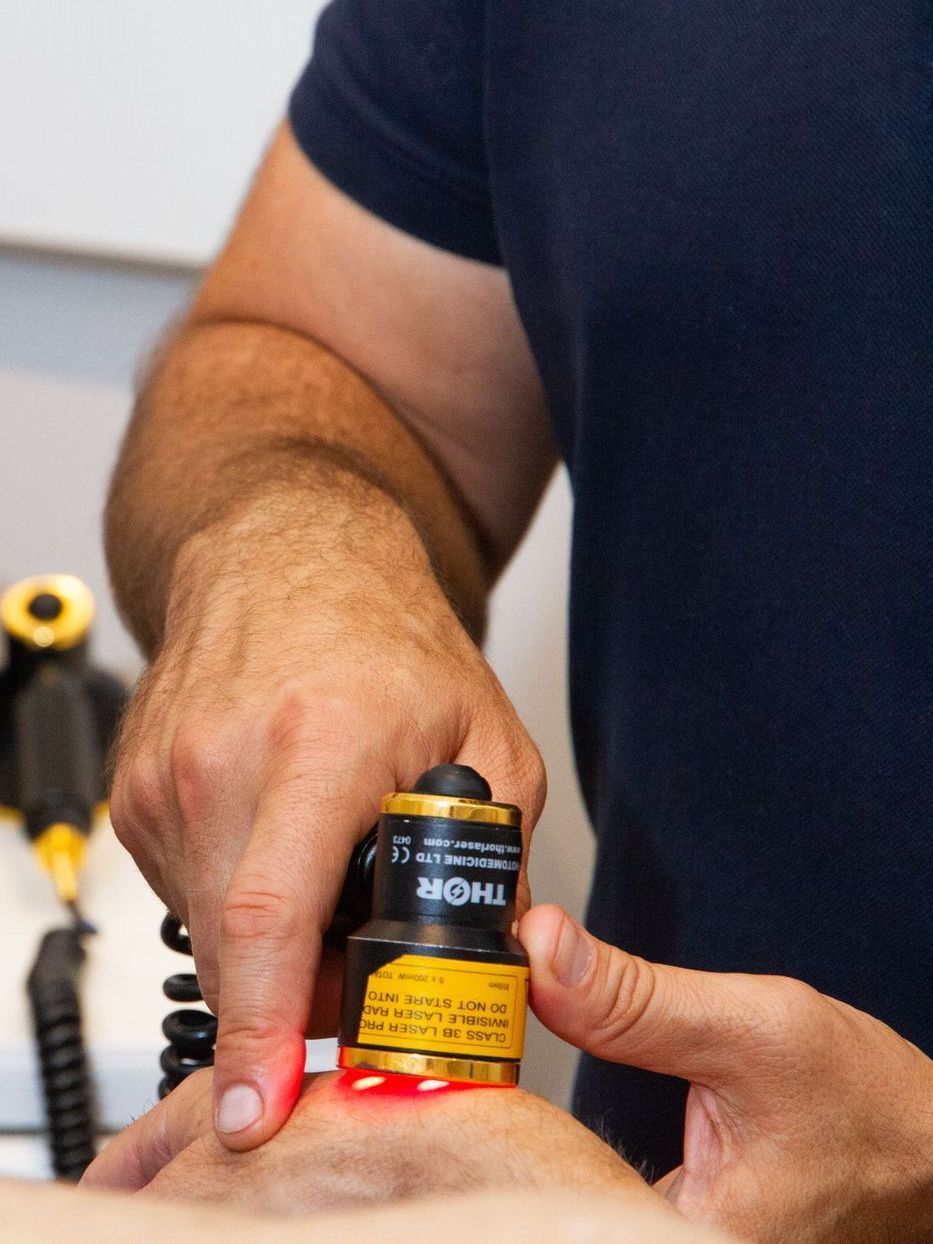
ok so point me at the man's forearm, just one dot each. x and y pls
(235, 414)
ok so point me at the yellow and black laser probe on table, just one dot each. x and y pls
(57, 715)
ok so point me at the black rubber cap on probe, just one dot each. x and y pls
(46, 607)
(458, 781)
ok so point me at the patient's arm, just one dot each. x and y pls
(343, 1148)
(453, 1166)
(30, 1212)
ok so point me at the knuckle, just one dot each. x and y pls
(791, 1012)
(238, 1030)
(139, 803)
(623, 987)
(199, 765)
(305, 720)
(258, 912)
(514, 765)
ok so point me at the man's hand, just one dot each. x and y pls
(342, 1148)
(806, 1119)
(296, 686)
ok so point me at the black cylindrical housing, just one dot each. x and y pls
(57, 749)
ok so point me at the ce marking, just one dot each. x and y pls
(401, 855)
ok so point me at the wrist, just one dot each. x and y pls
(344, 505)
(337, 541)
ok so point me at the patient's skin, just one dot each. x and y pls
(30, 1212)
(806, 1120)
(346, 1147)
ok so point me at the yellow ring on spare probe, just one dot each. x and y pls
(56, 634)
(412, 803)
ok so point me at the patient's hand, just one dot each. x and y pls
(344, 1147)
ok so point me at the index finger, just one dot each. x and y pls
(280, 899)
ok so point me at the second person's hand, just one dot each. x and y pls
(296, 685)
(806, 1119)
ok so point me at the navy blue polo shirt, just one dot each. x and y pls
(716, 217)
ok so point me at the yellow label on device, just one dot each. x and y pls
(452, 1006)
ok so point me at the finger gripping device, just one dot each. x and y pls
(435, 983)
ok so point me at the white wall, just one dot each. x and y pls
(131, 128)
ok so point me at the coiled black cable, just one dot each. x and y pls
(52, 986)
(190, 1033)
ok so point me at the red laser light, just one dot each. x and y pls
(391, 1084)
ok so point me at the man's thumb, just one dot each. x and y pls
(623, 1009)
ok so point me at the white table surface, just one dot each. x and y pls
(122, 995)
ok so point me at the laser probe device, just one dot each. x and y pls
(57, 714)
(435, 983)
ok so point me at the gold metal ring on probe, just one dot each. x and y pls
(455, 808)
(431, 1066)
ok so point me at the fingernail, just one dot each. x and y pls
(240, 1107)
(573, 954)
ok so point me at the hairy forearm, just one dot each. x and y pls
(235, 417)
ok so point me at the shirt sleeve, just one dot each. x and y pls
(390, 109)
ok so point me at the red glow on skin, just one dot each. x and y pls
(391, 1084)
